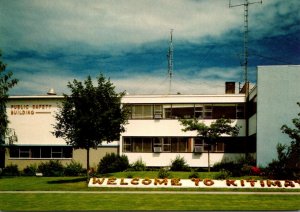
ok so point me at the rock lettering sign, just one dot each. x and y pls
(191, 183)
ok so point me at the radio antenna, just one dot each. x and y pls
(170, 61)
(246, 7)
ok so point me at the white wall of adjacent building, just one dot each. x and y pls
(277, 94)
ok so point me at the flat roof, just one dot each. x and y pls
(178, 98)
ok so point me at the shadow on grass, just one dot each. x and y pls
(75, 180)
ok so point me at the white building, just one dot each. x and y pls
(154, 133)
(277, 94)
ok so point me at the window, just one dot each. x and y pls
(56, 152)
(158, 111)
(46, 152)
(198, 145)
(167, 111)
(127, 145)
(182, 111)
(208, 111)
(41, 152)
(147, 145)
(137, 144)
(224, 110)
(179, 144)
(219, 147)
(201, 146)
(198, 111)
(35, 152)
(240, 111)
(166, 145)
(156, 144)
(25, 152)
(170, 144)
(187, 111)
(142, 112)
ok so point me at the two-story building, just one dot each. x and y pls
(154, 133)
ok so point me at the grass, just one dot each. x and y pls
(121, 201)
(148, 201)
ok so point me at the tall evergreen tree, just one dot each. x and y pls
(90, 115)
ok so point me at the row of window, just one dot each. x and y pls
(53, 152)
(181, 111)
(183, 144)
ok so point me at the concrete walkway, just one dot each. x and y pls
(152, 192)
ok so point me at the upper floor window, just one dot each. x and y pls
(186, 111)
(142, 111)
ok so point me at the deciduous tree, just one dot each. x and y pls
(6, 83)
(209, 133)
(90, 114)
(288, 163)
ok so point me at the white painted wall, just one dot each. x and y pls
(226, 98)
(165, 127)
(277, 93)
(35, 126)
(32, 118)
(193, 160)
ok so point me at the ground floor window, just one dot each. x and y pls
(41, 152)
(185, 144)
(156, 144)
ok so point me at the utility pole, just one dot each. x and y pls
(170, 61)
(246, 31)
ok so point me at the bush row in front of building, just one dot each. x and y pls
(112, 162)
(51, 168)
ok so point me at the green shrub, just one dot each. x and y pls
(11, 170)
(163, 173)
(139, 165)
(280, 168)
(236, 168)
(129, 175)
(223, 174)
(53, 168)
(194, 175)
(179, 164)
(113, 163)
(122, 163)
(30, 170)
(74, 169)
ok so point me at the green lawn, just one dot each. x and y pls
(121, 201)
(148, 201)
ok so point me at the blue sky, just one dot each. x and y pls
(49, 43)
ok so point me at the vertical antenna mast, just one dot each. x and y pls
(246, 5)
(170, 61)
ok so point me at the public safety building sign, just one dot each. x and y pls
(191, 183)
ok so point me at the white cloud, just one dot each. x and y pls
(80, 28)
(100, 23)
